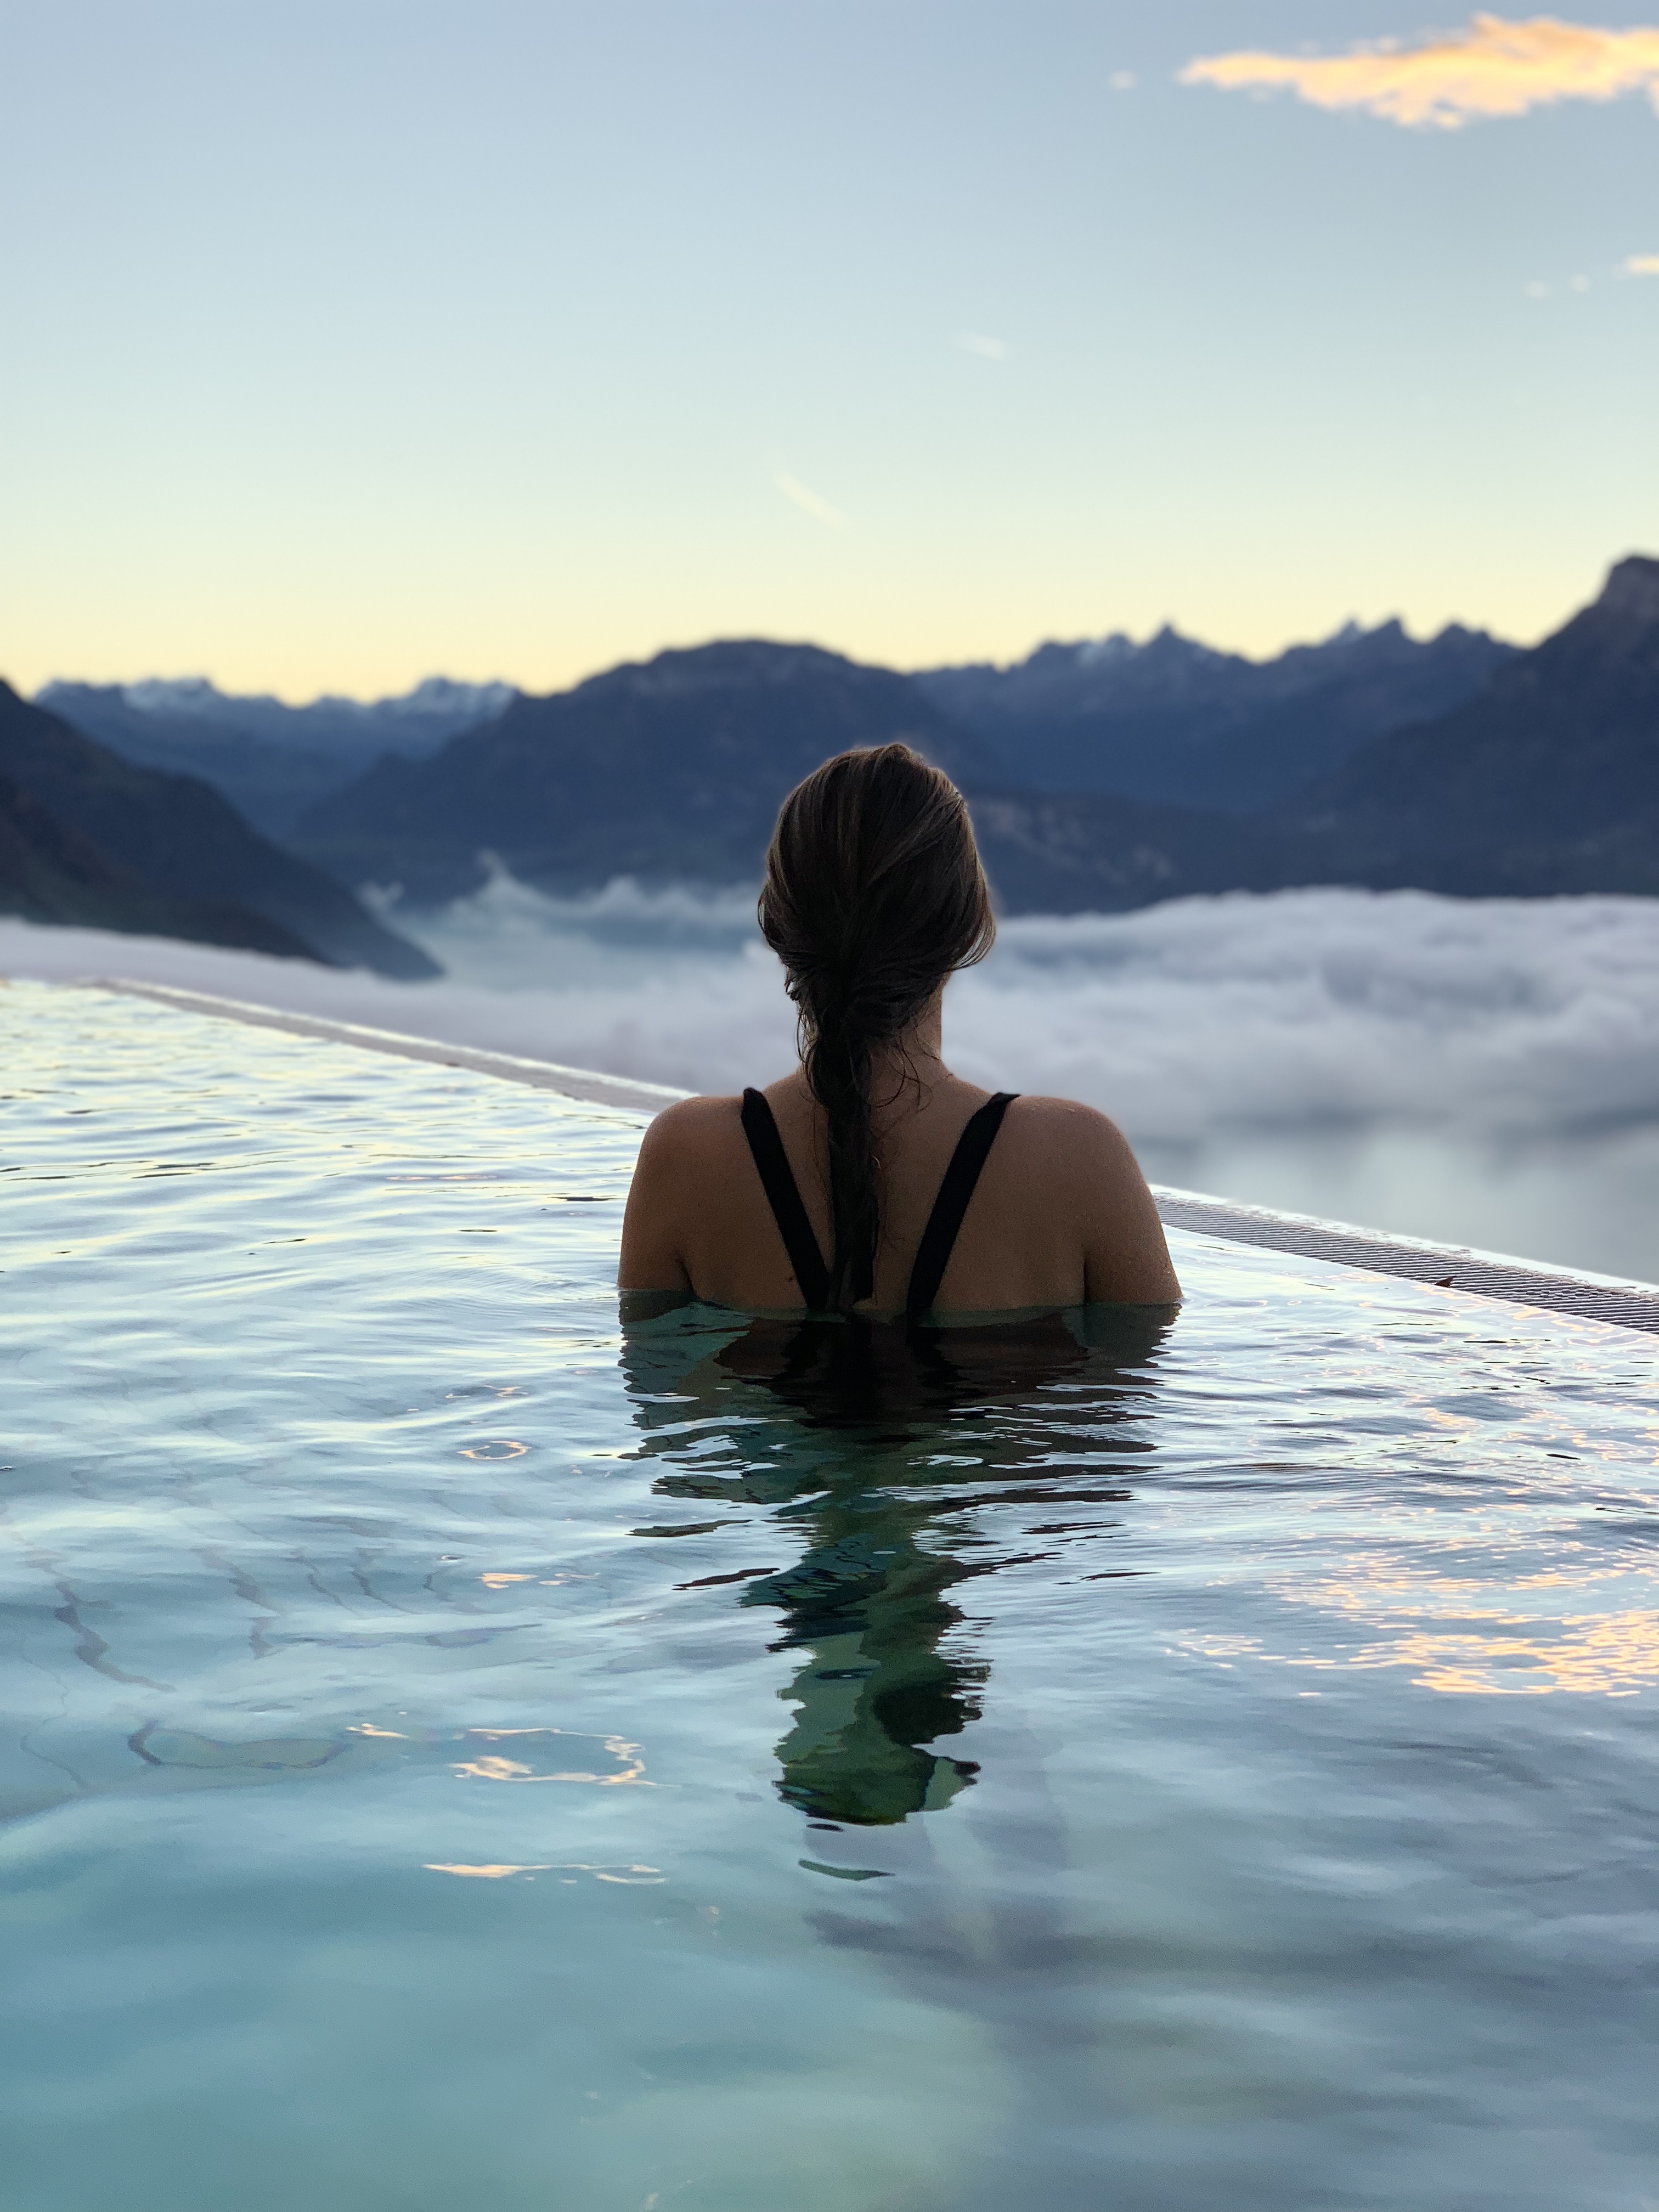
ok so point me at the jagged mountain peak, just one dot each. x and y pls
(200, 698)
(1555, 756)
(1615, 639)
(169, 695)
(1096, 651)
(270, 759)
(1169, 643)
(437, 697)
(1632, 590)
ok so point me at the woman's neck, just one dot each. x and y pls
(906, 1072)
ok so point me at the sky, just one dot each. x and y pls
(345, 343)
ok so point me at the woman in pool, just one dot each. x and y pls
(873, 1180)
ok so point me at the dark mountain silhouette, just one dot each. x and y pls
(672, 767)
(271, 761)
(1090, 852)
(1547, 782)
(1176, 723)
(1170, 720)
(176, 842)
(49, 874)
(1541, 777)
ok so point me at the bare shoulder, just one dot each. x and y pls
(1075, 1159)
(686, 1144)
(691, 1129)
(683, 1157)
(1063, 1138)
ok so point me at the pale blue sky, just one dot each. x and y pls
(347, 342)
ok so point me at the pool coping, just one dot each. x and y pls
(1440, 1267)
(578, 1083)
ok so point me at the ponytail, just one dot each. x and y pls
(873, 896)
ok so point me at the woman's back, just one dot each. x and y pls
(1058, 1215)
(874, 898)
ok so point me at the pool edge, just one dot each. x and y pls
(579, 1083)
(1441, 1267)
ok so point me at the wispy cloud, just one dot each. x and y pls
(808, 501)
(987, 349)
(1494, 67)
(1633, 265)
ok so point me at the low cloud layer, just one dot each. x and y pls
(1501, 1018)
(1487, 1070)
(1495, 68)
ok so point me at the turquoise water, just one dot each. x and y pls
(459, 1761)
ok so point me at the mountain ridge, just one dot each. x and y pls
(1173, 721)
(269, 759)
(713, 737)
(1558, 756)
(1170, 719)
(1499, 771)
(50, 873)
(673, 770)
(135, 836)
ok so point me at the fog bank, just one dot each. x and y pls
(1478, 1070)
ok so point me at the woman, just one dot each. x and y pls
(873, 1181)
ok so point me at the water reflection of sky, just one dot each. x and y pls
(786, 1770)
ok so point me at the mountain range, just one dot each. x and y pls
(1176, 723)
(1537, 775)
(1170, 720)
(271, 760)
(1102, 776)
(1547, 779)
(671, 769)
(88, 838)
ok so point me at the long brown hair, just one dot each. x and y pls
(873, 896)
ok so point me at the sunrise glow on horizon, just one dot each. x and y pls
(350, 346)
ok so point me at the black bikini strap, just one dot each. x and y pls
(772, 1162)
(944, 1223)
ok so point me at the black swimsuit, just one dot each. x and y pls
(944, 1223)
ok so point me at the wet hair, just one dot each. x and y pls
(873, 896)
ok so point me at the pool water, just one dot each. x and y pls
(461, 1758)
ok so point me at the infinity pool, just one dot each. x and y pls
(462, 1759)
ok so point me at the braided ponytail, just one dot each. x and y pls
(873, 896)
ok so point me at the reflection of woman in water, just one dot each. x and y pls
(914, 1243)
(874, 1445)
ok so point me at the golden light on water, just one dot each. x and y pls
(1459, 1647)
(496, 1766)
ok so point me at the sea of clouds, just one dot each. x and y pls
(1479, 1070)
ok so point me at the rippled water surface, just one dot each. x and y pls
(460, 1760)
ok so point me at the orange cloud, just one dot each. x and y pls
(1494, 67)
